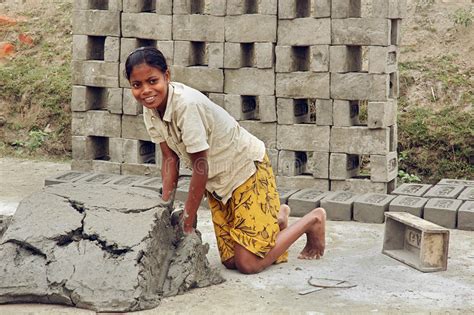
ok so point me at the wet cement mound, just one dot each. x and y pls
(105, 248)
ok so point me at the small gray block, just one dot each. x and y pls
(319, 165)
(442, 211)
(467, 194)
(97, 178)
(140, 169)
(211, 79)
(410, 204)
(381, 114)
(108, 167)
(360, 185)
(466, 216)
(66, 177)
(285, 194)
(460, 182)
(370, 207)
(444, 191)
(305, 200)
(338, 205)
(303, 182)
(153, 183)
(416, 190)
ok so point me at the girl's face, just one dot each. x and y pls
(150, 86)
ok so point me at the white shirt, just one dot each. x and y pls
(193, 123)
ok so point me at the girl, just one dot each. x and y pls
(228, 164)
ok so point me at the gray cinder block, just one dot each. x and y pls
(98, 178)
(381, 114)
(342, 9)
(370, 207)
(338, 205)
(303, 182)
(460, 182)
(345, 58)
(444, 191)
(442, 211)
(383, 59)
(360, 140)
(263, 131)
(140, 169)
(218, 98)
(361, 31)
(361, 186)
(360, 86)
(345, 113)
(96, 123)
(316, 58)
(467, 194)
(65, 177)
(250, 28)
(199, 54)
(239, 7)
(298, 9)
(95, 73)
(127, 45)
(302, 85)
(211, 80)
(89, 148)
(320, 164)
(416, 190)
(303, 138)
(197, 27)
(81, 165)
(96, 22)
(134, 128)
(410, 204)
(305, 200)
(85, 98)
(304, 32)
(110, 5)
(383, 168)
(162, 7)
(130, 104)
(246, 107)
(249, 81)
(108, 167)
(295, 111)
(466, 216)
(343, 166)
(138, 25)
(392, 9)
(324, 112)
(289, 163)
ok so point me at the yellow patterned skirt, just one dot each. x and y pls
(250, 216)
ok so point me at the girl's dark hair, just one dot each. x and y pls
(147, 55)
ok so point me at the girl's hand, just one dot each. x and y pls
(187, 222)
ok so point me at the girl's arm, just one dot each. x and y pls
(169, 171)
(197, 188)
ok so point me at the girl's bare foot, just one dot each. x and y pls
(283, 217)
(316, 236)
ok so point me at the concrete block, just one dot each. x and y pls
(410, 204)
(392, 9)
(96, 22)
(343, 166)
(249, 81)
(370, 207)
(65, 177)
(130, 104)
(393, 137)
(360, 140)
(81, 165)
(382, 59)
(195, 27)
(324, 112)
(256, 55)
(264, 55)
(140, 169)
(127, 45)
(306, 58)
(127, 180)
(442, 211)
(416, 242)
(238, 7)
(360, 186)
(112, 49)
(383, 168)
(285, 194)
(109, 167)
(116, 149)
(303, 138)
(345, 113)
(245, 107)
(395, 30)
(302, 182)
(305, 200)
(296, 111)
(381, 114)
(134, 128)
(95, 73)
(361, 32)
(360, 86)
(199, 54)
(109, 5)
(300, 9)
(467, 194)
(416, 190)
(290, 163)
(342, 9)
(320, 165)
(267, 132)
(138, 25)
(122, 79)
(466, 216)
(460, 182)
(251, 28)
(139, 152)
(96, 123)
(97, 178)
(210, 80)
(345, 59)
(206, 7)
(95, 98)
(89, 148)
(161, 7)
(304, 32)
(444, 191)
(302, 85)
(217, 98)
(339, 205)
(151, 183)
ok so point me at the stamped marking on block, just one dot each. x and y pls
(409, 201)
(342, 196)
(376, 198)
(98, 178)
(413, 238)
(70, 176)
(443, 203)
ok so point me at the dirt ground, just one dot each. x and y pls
(353, 253)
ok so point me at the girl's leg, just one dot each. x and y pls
(313, 224)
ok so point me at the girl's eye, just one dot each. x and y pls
(153, 81)
(135, 85)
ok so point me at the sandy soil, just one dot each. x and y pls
(353, 254)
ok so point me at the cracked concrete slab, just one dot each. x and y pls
(105, 248)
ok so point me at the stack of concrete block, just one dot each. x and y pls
(316, 80)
